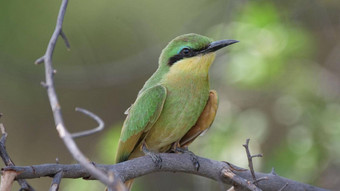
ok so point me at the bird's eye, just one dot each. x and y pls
(185, 51)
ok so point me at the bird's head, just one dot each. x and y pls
(191, 52)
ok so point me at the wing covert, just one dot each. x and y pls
(141, 116)
(146, 109)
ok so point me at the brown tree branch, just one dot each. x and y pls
(171, 163)
(52, 95)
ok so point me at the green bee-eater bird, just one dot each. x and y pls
(176, 104)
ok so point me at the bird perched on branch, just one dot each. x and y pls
(175, 105)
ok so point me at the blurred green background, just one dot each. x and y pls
(279, 86)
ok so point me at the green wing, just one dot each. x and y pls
(141, 116)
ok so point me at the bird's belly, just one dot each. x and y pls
(179, 114)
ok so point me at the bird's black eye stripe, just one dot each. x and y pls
(174, 59)
(184, 53)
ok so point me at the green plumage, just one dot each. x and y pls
(175, 105)
(183, 96)
(144, 112)
(173, 99)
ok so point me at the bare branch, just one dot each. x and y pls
(58, 119)
(171, 163)
(56, 181)
(92, 131)
(8, 161)
(250, 160)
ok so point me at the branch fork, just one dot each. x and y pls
(114, 175)
(250, 162)
(55, 106)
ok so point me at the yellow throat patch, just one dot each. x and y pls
(197, 65)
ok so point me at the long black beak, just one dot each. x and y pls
(214, 46)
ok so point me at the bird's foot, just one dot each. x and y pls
(193, 157)
(157, 160)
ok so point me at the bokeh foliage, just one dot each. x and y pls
(279, 86)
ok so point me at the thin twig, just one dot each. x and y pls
(3, 152)
(250, 160)
(40, 60)
(260, 179)
(8, 161)
(92, 131)
(58, 119)
(56, 181)
(67, 44)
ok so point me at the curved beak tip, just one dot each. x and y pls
(214, 46)
(234, 41)
(229, 42)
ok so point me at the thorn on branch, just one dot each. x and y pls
(260, 179)
(273, 171)
(92, 131)
(40, 60)
(250, 160)
(4, 134)
(67, 43)
(43, 84)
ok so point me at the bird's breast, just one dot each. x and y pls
(184, 103)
